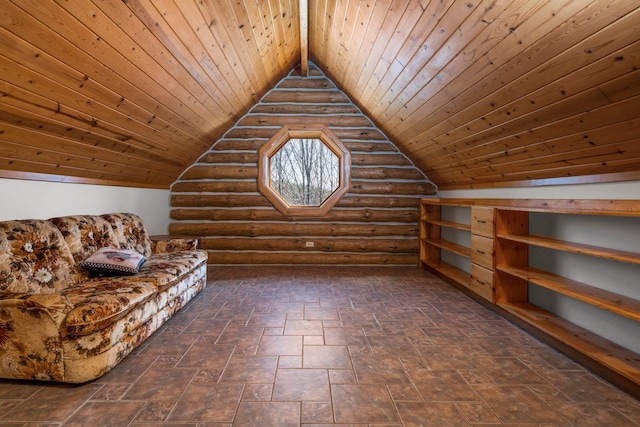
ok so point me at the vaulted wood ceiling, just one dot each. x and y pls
(475, 92)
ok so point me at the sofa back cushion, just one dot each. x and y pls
(34, 258)
(85, 234)
(130, 232)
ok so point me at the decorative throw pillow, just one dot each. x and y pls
(113, 262)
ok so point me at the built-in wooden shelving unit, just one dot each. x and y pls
(479, 253)
(431, 243)
(501, 272)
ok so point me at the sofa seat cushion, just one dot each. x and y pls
(166, 269)
(100, 302)
(81, 347)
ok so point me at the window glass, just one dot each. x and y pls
(304, 172)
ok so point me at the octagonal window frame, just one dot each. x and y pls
(277, 141)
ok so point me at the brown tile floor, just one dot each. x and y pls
(291, 346)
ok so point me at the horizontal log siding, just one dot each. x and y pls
(376, 222)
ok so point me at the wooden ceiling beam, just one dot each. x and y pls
(304, 38)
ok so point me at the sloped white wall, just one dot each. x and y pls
(22, 199)
(608, 190)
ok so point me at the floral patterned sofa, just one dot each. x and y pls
(58, 322)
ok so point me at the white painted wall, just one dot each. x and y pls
(621, 233)
(608, 190)
(23, 199)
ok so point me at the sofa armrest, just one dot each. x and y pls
(169, 243)
(56, 306)
(30, 337)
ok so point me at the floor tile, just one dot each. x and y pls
(518, 404)
(430, 414)
(593, 415)
(330, 346)
(161, 384)
(379, 370)
(169, 342)
(317, 413)
(15, 389)
(320, 313)
(268, 414)
(342, 376)
(290, 362)
(477, 413)
(303, 327)
(250, 369)
(257, 392)
(206, 355)
(104, 414)
(391, 346)
(345, 336)
(155, 411)
(241, 335)
(582, 386)
(203, 325)
(302, 385)
(508, 370)
(326, 356)
(280, 345)
(267, 320)
(362, 404)
(51, 403)
(207, 402)
(442, 386)
(404, 393)
(448, 356)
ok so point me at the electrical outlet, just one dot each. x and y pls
(310, 244)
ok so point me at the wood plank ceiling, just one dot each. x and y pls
(476, 92)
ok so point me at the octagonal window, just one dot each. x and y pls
(304, 170)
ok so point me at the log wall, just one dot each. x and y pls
(376, 222)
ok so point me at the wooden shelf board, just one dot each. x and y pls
(611, 355)
(449, 224)
(459, 276)
(579, 248)
(621, 305)
(451, 247)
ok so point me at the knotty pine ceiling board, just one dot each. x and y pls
(481, 93)
(132, 92)
(476, 93)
